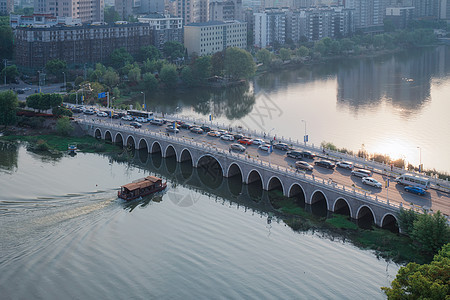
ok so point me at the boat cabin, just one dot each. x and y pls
(141, 188)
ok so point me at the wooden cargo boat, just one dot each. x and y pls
(141, 187)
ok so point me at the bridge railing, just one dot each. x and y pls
(375, 166)
(245, 158)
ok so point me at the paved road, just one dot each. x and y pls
(31, 89)
(432, 199)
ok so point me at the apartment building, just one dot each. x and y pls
(165, 28)
(86, 10)
(214, 36)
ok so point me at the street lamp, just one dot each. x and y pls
(145, 107)
(305, 137)
(65, 88)
(39, 81)
(420, 159)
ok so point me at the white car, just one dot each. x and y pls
(264, 147)
(258, 142)
(222, 131)
(141, 120)
(345, 164)
(227, 137)
(372, 182)
(102, 114)
(127, 118)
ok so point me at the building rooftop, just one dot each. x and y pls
(212, 23)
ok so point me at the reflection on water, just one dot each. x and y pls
(8, 159)
(201, 238)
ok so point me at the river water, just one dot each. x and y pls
(65, 235)
(395, 104)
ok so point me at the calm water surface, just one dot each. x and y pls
(65, 235)
(391, 104)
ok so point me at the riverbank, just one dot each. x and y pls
(386, 244)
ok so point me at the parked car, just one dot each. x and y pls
(303, 165)
(415, 190)
(171, 129)
(205, 128)
(238, 136)
(227, 137)
(157, 122)
(222, 131)
(89, 112)
(294, 154)
(197, 130)
(259, 142)
(185, 126)
(102, 114)
(127, 118)
(307, 154)
(264, 147)
(281, 146)
(214, 134)
(76, 110)
(372, 182)
(141, 120)
(325, 164)
(136, 124)
(345, 165)
(245, 141)
(361, 173)
(238, 147)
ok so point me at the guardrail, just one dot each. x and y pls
(382, 168)
(245, 158)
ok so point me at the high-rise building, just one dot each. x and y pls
(399, 16)
(6, 7)
(269, 28)
(166, 28)
(369, 14)
(225, 10)
(151, 6)
(192, 11)
(426, 9)
(86, 10)
(125, 8)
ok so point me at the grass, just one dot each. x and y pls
(55, 142)
(341, 222)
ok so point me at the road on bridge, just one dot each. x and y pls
(434, 200)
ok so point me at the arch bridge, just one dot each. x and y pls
(219, 162)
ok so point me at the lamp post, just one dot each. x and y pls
(420, 159)
(305, 137)
(65, 88)
(39, 81)
(145, 107)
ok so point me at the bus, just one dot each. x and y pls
(413, 180)
(140, 113)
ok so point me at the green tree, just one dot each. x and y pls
(63, 126)
(11, 73)
(285, 54)
(431, 232)
(173, 50)
(201, 68)
(61, 111)
(150, 82)
(406, 219)
(111, 77)
(169, 75)
(428, 281)
(134, 74)
(218, 63)
(187, 76)
(302, 51)
(149, 52)
(239, 63)
(264, 56)
(56, 67)
(110, 14)
(8, 107)
(120, 57)
(6, 38)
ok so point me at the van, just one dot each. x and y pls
(361, 173)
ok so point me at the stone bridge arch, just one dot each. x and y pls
(156, 147)
(185, 155)
(118, 139)
(170, 151)
(296, 191)
(108, 136)
(274, 182)
(98, 133)
(234, 170)
(366, 212)
(131, 142)
(142, 144)
(342, 206)
(390, 221)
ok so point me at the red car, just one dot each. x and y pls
(245, 141)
